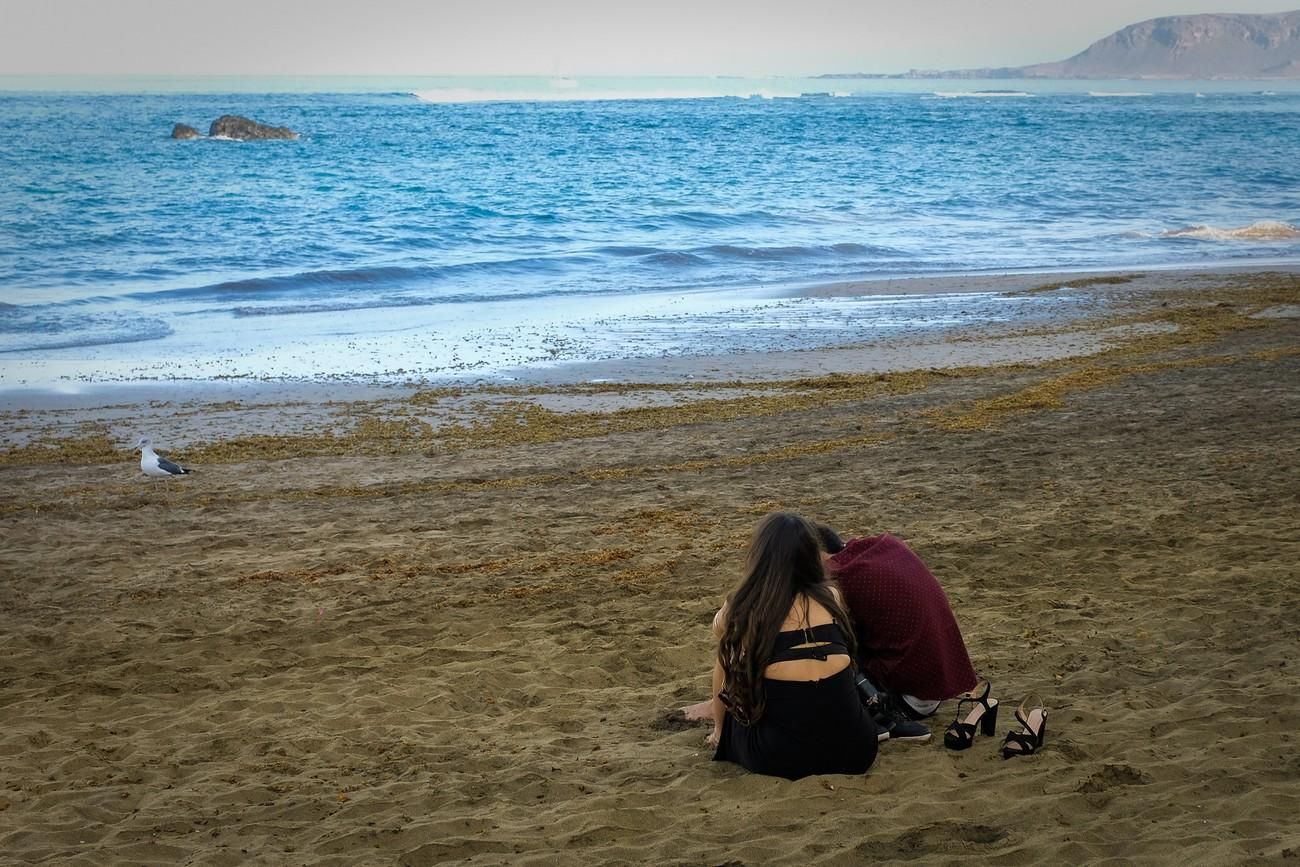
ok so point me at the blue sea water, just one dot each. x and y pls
(483, 223)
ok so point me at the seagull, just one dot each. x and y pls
(152, 465)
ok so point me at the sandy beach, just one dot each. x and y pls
(415, 625)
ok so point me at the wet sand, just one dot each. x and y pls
(420, 625)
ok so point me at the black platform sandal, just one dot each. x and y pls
(983, 714)
(1030, 739)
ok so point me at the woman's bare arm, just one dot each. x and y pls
(719, 709)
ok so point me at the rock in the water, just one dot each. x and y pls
(183, 131)
(243, 129)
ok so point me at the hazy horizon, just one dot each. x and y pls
(575, 37)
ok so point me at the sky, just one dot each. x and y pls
(560, 37)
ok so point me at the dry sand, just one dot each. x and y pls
(449, 626)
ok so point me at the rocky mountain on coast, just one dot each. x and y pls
(1209, 46)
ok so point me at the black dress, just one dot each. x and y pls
(808, 727)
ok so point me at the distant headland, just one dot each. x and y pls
(1209, 46)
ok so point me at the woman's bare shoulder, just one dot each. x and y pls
(806, 611)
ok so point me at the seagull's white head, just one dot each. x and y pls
(144, 443)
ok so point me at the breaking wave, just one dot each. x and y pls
(982, 94)
(771, 254)
(568, 90)
(421, 280)
(40, 328)
(1262, 230)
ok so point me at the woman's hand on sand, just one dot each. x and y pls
(712, 738)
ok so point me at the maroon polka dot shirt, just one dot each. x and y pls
(908, 640)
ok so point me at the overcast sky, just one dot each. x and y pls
(560, 37)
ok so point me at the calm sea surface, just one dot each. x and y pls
(464, 225)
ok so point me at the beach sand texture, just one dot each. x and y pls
(414, 644)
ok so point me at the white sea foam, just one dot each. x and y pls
(980, 94)
(571, 90)
(1120, 93)
(1261, 230)
(465, 95)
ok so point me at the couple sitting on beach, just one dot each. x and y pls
(798, 652)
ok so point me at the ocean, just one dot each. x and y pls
(464, 228)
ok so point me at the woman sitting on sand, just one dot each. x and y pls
(784, 699)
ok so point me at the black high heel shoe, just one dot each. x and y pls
(1030, 739)
(983, 714)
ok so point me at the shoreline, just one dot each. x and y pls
(1029, 279)
(886, 351)
(1108, 314)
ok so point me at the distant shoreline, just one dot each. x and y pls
(914, 81)
(1014, 75)
(1207, 46)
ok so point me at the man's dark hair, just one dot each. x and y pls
(830, 540)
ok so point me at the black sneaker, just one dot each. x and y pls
(893, 724)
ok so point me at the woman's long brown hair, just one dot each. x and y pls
(784, 562)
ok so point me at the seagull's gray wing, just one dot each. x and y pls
(164, 464)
